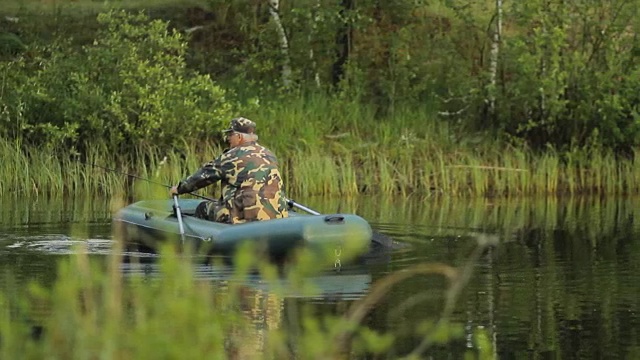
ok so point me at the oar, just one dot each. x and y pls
(302, 207)
(176, 204)
(376, 237)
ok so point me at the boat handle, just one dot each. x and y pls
(334, 219)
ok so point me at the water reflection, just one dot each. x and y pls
(327, 286)
(564, 281)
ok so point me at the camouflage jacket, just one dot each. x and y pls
(252, 187)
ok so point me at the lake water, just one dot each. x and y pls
(563, 281)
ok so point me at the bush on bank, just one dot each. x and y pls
(129, 88)
(541, 79)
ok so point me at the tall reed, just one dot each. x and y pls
(325, 148)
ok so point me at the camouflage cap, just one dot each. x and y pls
(241, 125)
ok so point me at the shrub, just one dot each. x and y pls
(130, 87)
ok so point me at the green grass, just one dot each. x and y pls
(322, 153)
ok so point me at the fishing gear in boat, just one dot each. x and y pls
(144, 179)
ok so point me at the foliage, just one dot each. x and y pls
(93, 310)
(385, 109)
(130, 87)
(567, 84)
(560, 81)
(10, 45)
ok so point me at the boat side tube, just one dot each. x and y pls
(150, 222)
(279, 236)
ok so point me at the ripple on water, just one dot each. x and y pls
(60, 244)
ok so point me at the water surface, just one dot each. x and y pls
(562, 282)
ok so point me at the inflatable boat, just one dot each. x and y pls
(146, 224)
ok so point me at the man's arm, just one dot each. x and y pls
(208, 174)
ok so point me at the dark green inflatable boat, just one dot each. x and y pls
(147, 223)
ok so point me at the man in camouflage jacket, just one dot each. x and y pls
(252, 187)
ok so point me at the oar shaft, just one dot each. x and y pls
(179, 216)
(302, 207)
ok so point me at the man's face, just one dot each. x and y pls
(234, 138)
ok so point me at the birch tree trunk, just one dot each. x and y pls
(543, 58)
(274, 6)
(314, 31)
(495, 54)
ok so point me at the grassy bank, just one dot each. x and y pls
(330, 148)
(154, 115)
